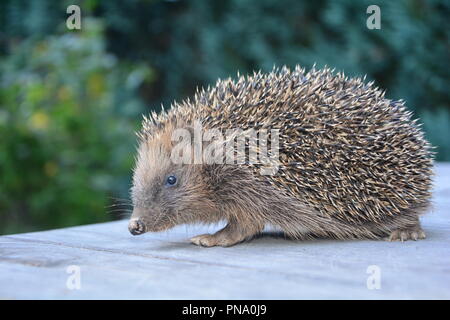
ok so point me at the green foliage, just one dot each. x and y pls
(69, 101)
(191, 43)
(67, 119)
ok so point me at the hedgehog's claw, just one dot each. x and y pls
(406, 234)
(230, 235)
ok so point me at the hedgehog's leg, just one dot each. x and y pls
(407, 226)
(231, 234)
(403, 234)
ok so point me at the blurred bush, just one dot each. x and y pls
(70, 100)
(191, 43)
(67, 120)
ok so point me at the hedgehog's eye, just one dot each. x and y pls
(171, 180)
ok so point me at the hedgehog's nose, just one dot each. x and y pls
(136, 227)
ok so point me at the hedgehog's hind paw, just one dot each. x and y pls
(414, 233)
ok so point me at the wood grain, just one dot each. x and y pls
(113, 264)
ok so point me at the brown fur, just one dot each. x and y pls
(353, 163)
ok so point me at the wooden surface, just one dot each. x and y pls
(114, 264)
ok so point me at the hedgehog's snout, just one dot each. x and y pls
(136, 227)
(143, 220)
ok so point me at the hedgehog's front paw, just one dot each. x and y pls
(407, 234)
(230, 235)
(211, 240)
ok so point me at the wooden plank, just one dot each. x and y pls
(114, 264)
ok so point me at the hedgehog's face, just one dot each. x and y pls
(165, 194)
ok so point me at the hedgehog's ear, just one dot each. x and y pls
(181, 145)
(193, 131)
(184, 134)
(191, 142)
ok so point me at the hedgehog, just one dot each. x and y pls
(351, 163)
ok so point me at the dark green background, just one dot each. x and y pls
(71, 100)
